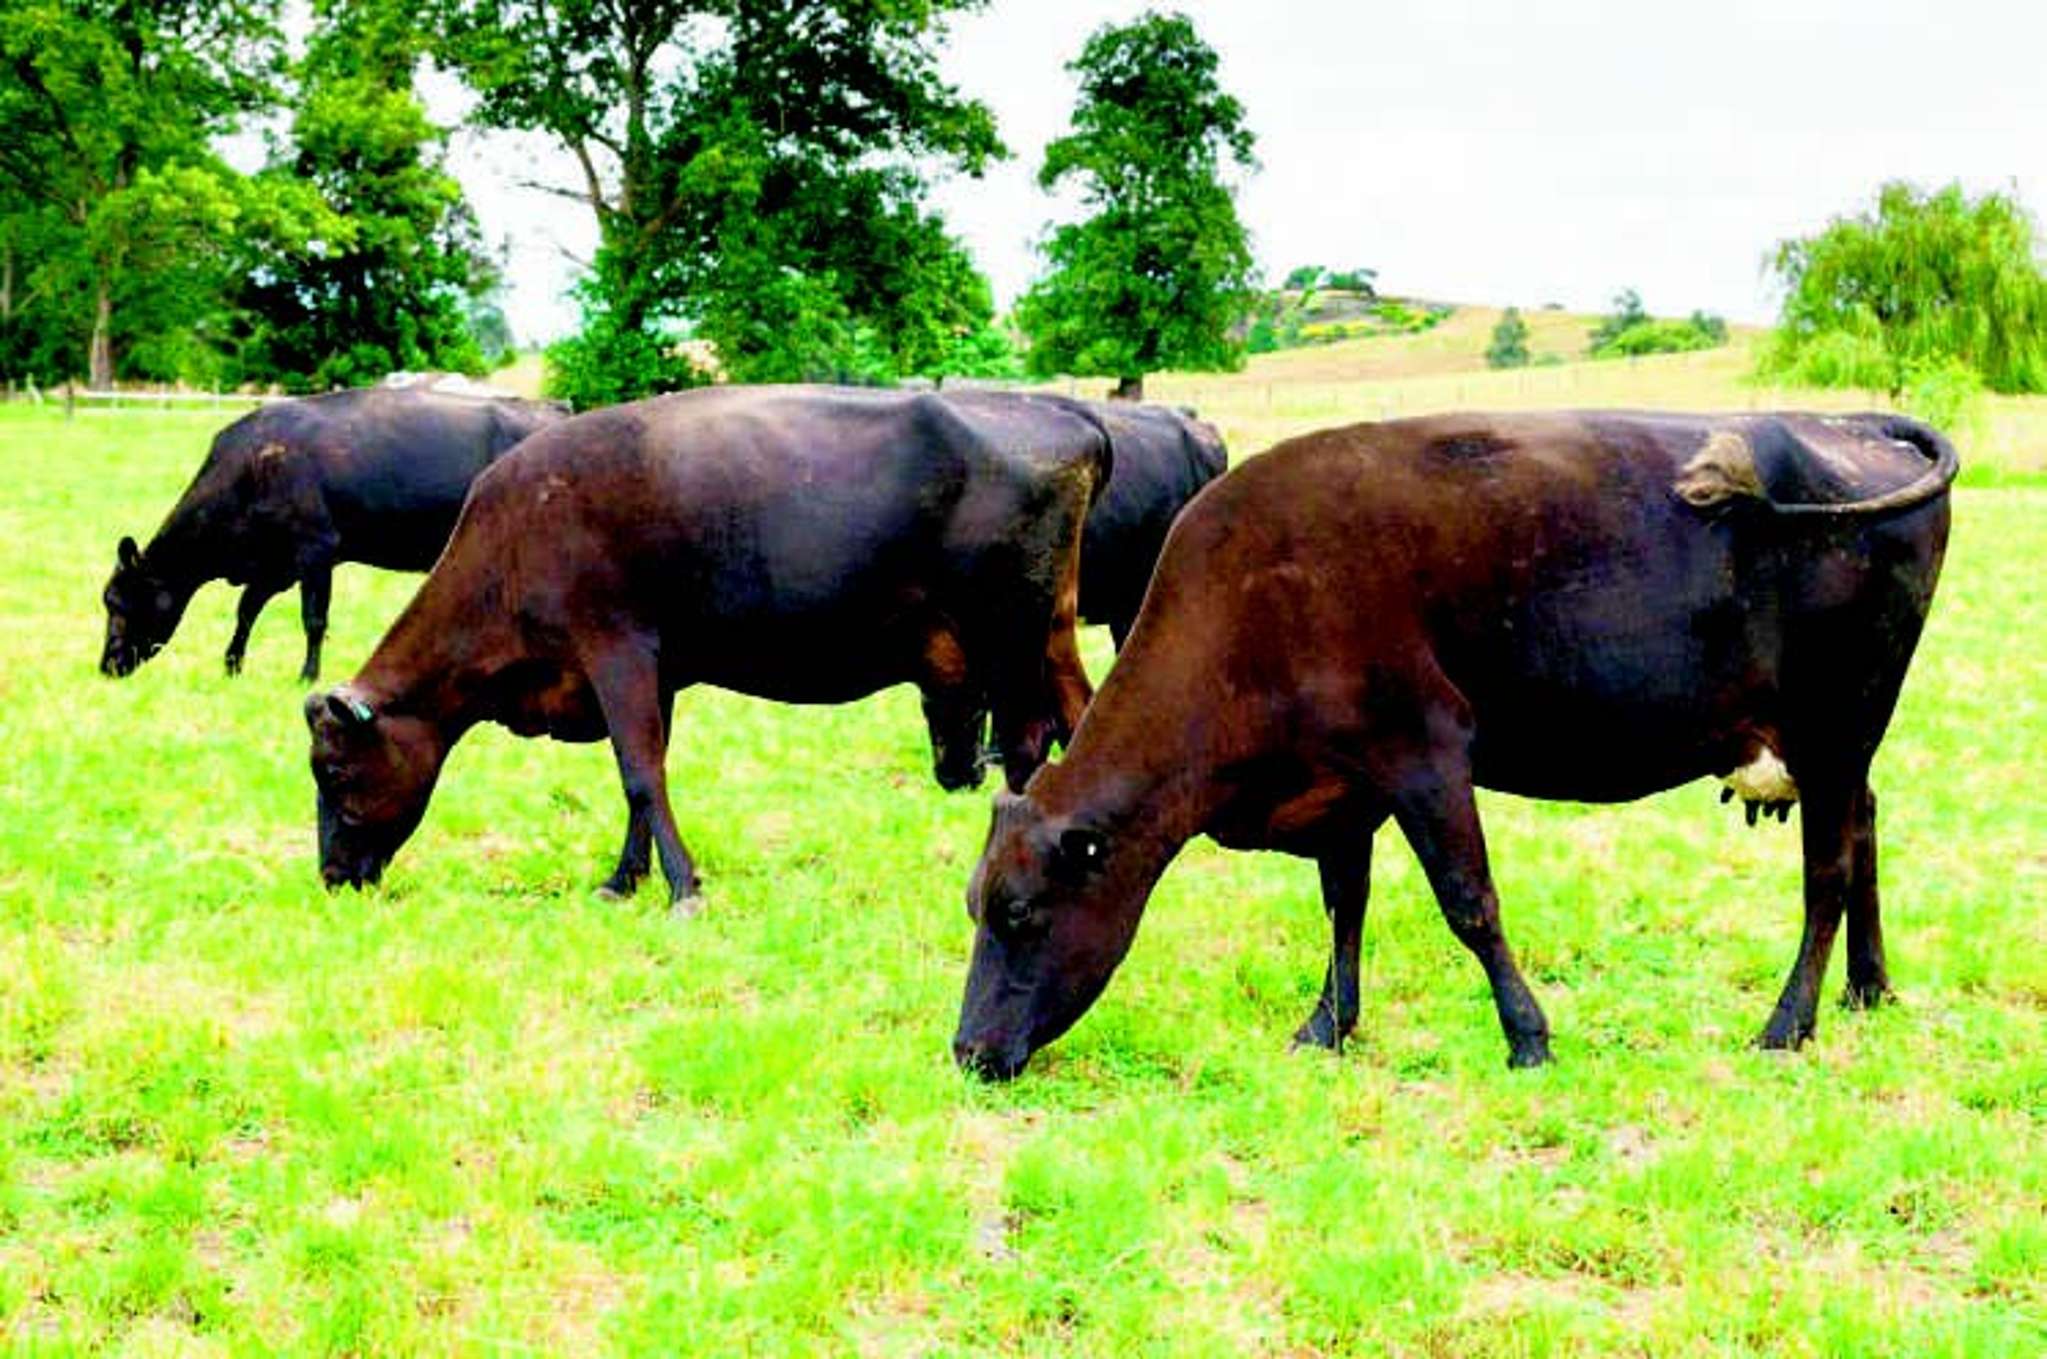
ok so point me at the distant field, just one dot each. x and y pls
(1291, 392)
(481, 1111)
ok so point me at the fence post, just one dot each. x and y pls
(70, 399)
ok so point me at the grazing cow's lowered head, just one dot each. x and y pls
(142, 612)
(1055, 902)
(375, 772)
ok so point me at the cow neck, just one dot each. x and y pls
(436, 663)
(183, 553)
(1136, 769)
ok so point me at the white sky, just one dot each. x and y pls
(1486, 150)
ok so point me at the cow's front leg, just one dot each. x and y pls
(316, 587)
(1346, 883)
(254, 596)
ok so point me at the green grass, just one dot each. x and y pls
(482, 1111)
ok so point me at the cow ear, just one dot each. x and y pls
(129, 555)
(1082, 850)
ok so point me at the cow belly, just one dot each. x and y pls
(1617, 707)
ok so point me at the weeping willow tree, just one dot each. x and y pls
(1926, 280)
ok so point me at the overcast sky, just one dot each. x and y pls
(1487, 150)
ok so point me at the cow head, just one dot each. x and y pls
(375, 773)
(1055, 903)
(143, 610)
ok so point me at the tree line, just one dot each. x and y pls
(758, 173)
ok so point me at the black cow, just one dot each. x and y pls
(286, 492)
(1363, 624)
(804, 544)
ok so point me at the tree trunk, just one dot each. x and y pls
(101, 358)
(1128, 389)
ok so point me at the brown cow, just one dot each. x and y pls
(1366, 623)
(811, 545)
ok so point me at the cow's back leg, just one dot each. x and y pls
(316, 588)
(1432, 801)
(1869, 981)
(954, 711)
(1830, 814)
(636, 855)
(625, 675)
(1346, 874)
(247, 610)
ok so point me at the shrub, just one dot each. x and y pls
(1509, 348)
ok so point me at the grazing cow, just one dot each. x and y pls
(286, 492)
(1367, 622)
(804, 544)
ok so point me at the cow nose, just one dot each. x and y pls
(991, 1061)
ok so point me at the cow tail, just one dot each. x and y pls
(1944, 465)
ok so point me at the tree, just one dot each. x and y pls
(1627, 314)
(1161, 274)
(110, 108)
(755, 168)
(1628, 331)
(1304, 279)
(1362, 281)
(1925, 278)
(391, 283)
(1509, 348)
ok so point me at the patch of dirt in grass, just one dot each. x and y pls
(988, 1140)
(1631, 1145)
(580, 1303)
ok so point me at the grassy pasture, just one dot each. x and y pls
(481, 1111)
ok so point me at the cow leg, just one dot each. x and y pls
(316, 586)
(254, 596)
(636, 855)
(1346, 882)
(954, 712)
(1039, 700)
(627, 681)
(1827, 826)
(1869, 981)
(1436, 811)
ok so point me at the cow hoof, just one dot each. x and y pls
(686, 905)
(1529, 1052)
(1784, 1036)
(234, 666)
(1319, 1032)
(614, 891)
(959, 780)
(1867, 996)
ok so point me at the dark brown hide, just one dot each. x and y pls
(1366, 623)
(292, 489)
(810, 545)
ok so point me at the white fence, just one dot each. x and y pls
(77, 399)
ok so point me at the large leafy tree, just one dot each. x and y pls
(1160, 275)
(110, 108)
(1924, 280)
(394, 279)
(756, 170)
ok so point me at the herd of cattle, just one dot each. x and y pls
(1361, 624)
